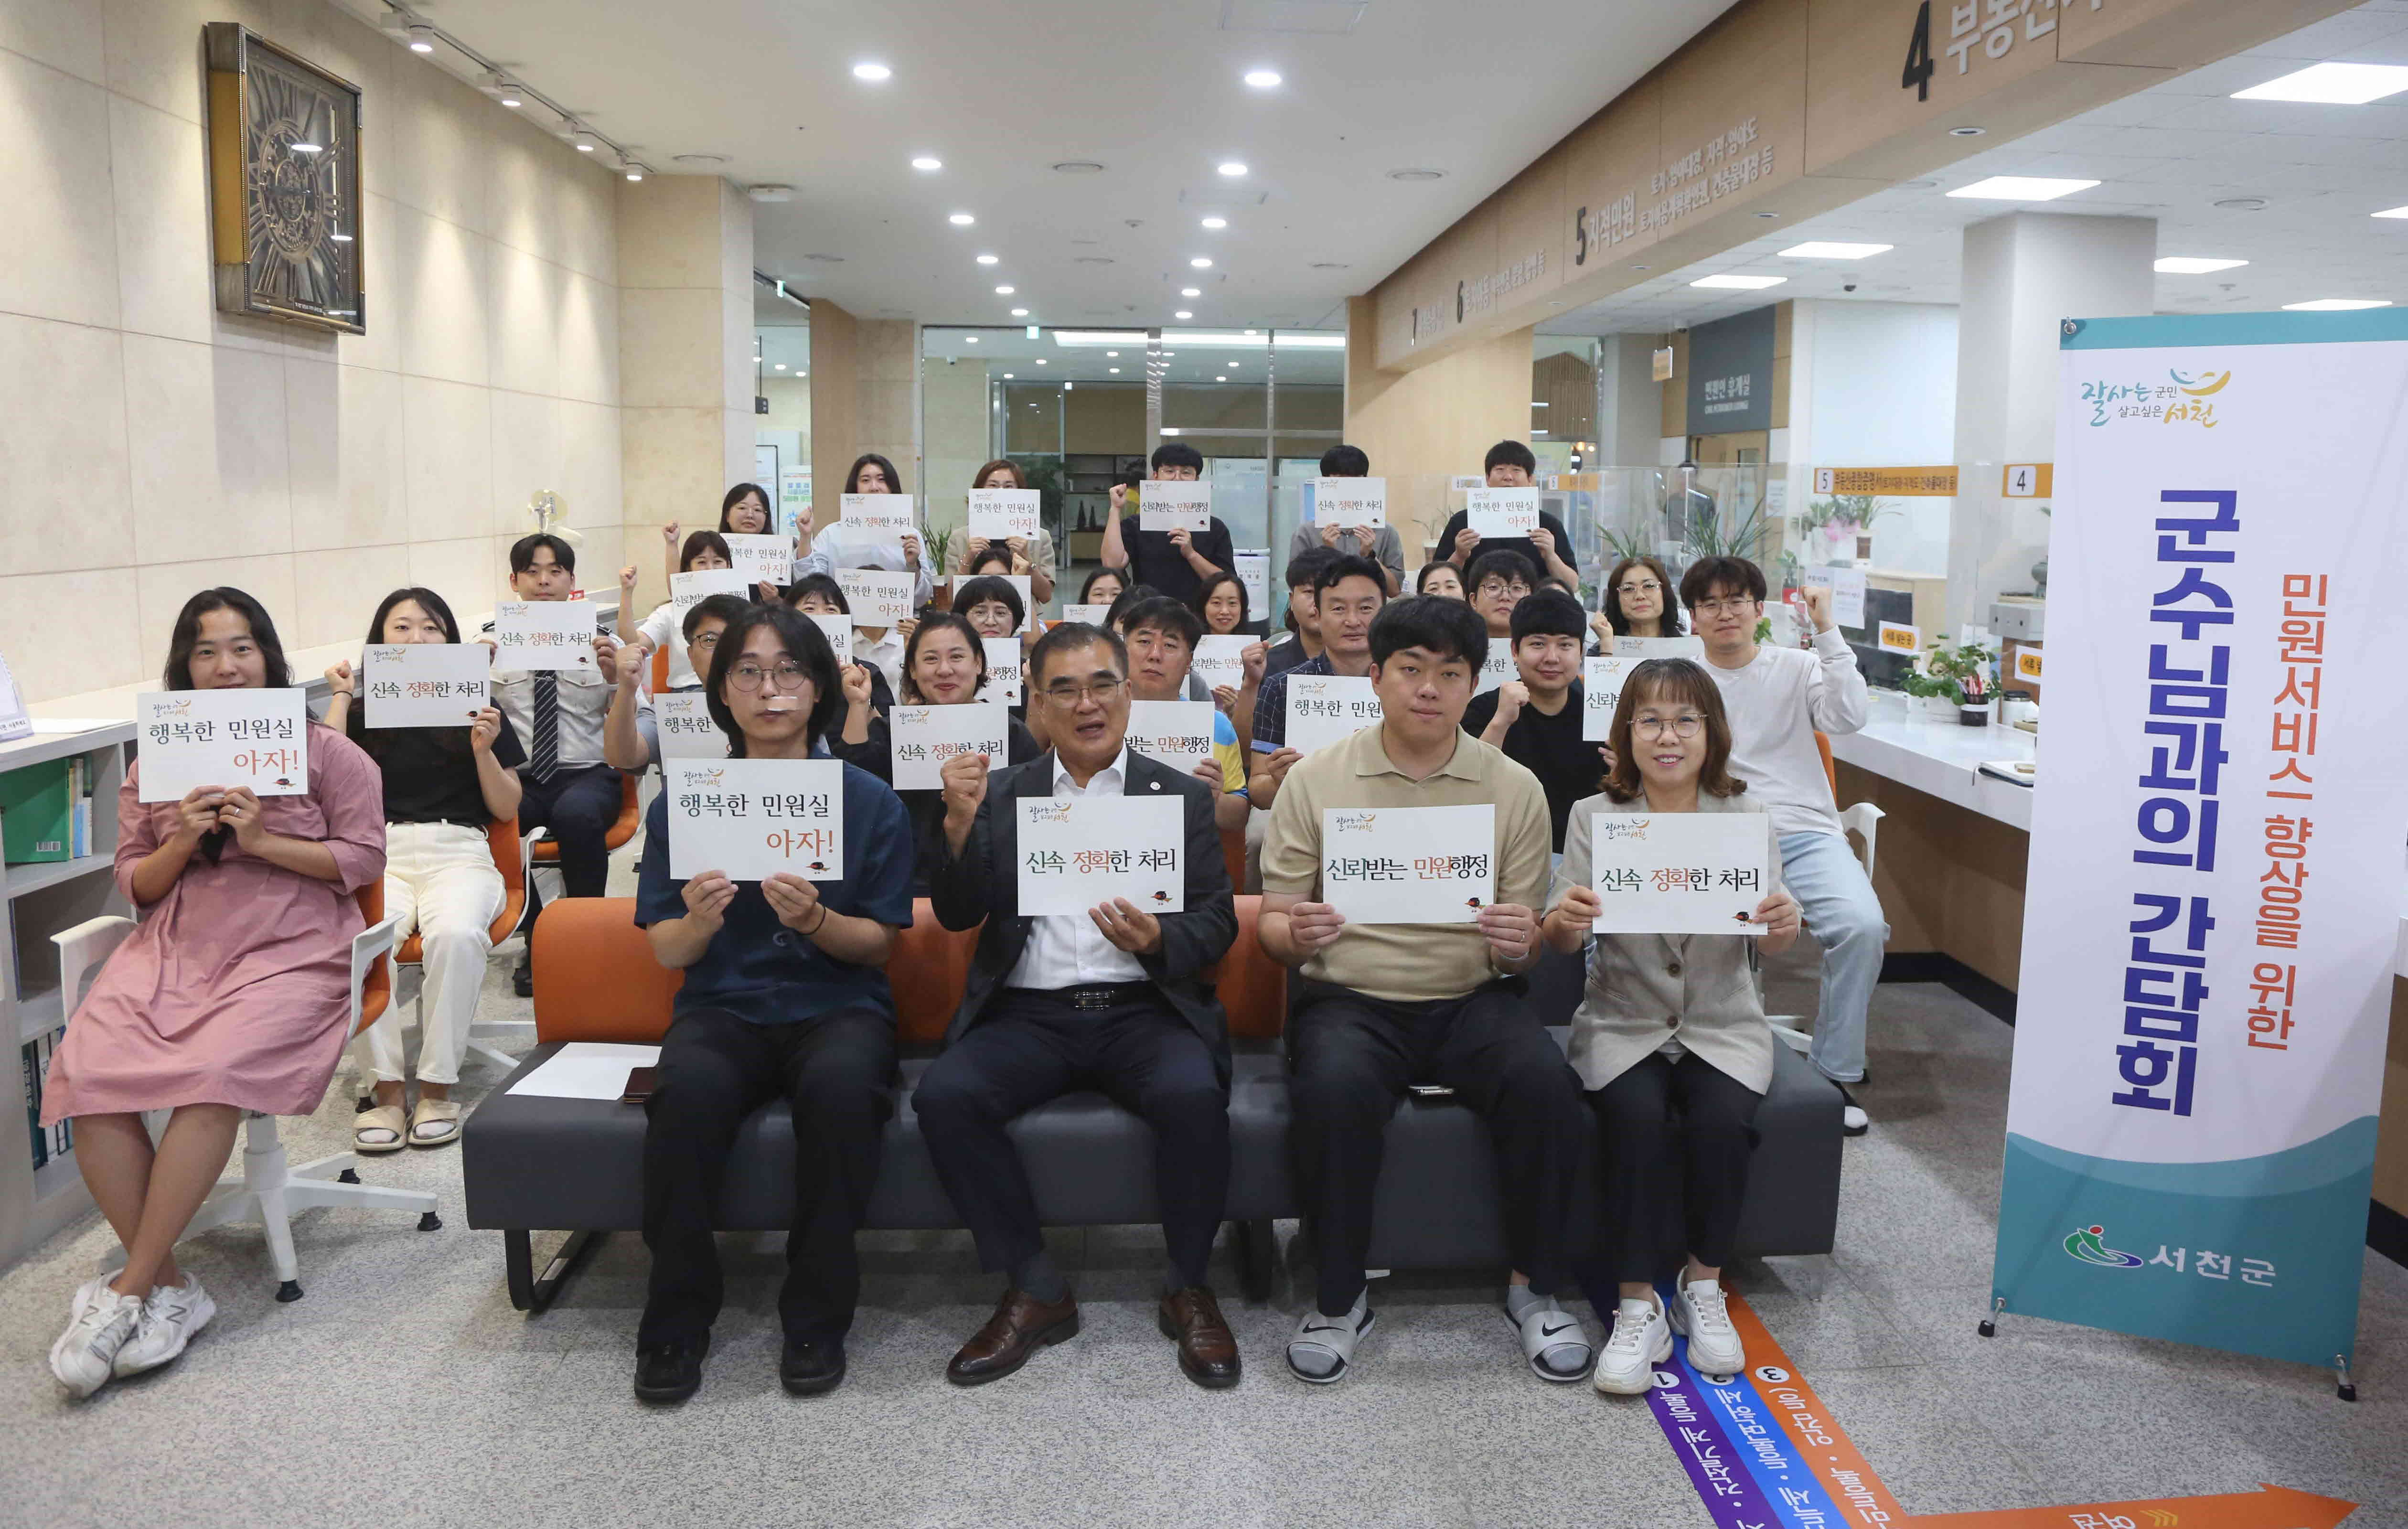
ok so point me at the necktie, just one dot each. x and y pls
(545, 756)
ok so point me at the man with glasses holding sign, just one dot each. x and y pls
(1112, 997)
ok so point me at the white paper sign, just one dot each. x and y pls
(1502, 512)
(1091, 615)
(14, 724)
(1847, 587)
(761, 560)
(1221, 660)
(1499, 666)
(1253, 570)
(424, 684)
(1348, 503)
(1169, 505)
(1019, 583)
(1076, 852)
(1408, 865)
(1326, 708)
(686, 730)
(1635, 648)
(838, 629)
(1001, 514)
(257, 739)
(880, 517)
(534, 634)
(754, 818)
(877, 598)
(1600, 693)
(922, 738)
(1897, 639)
(689, 590)
(1177, 732)
(1677, 873)
(1003, 660)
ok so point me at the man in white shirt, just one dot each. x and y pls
(1778, 698)
(1113, 999)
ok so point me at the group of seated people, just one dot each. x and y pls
(233, 995)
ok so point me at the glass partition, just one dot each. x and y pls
(781, 437)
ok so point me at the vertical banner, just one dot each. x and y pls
(2213, 895)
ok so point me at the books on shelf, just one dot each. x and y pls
(46, 811)
(53, 1142)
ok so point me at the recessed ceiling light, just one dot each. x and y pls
(1416, 174)
(1219, 379)
(1191, 292)
(972, 338)
(2022, 188)
(989, 260)
(1768, 215)
(1115, 370)
(2393, 212)
(1005, 291)
(2337, 304)
(1078, 166)
(1263, 79)
(421, 37)
(781, 367)
(1183, 313)
(2194, 265)
(1170, 430)
(1231, 167)
(700, 159)
(927, 162)
(1834, 250)
(1040, 361)
(1739, 283)
(2242, 203)
(1020, 313)
(1006, 376)
(1966, 132)
(1112, 353)
(872, 72)
(2332, 84)
(1202, 262)
(1329, 265)
(960, 220)
(1216, 223)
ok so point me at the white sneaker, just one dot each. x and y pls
(1700, 1312)
(84, 1354)
(169, 1319)
(1641, 1339)
(1323, 1350)
(1554, 1342)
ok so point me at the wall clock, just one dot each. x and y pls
(284, 183)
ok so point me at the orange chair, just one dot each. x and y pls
(660, 671)
(543, 850)
(272, 1191)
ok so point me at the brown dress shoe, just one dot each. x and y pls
(1021, 1323)
(1208, 1351)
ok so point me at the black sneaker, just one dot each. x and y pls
(669, 1372)
(810, 1368)
(523, 978)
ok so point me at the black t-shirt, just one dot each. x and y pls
(1154, 560)
(1567, 766)
(430, 773)
(1523, 544)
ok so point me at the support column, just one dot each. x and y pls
(865, 397)
(2022, 274)
(1422, 426)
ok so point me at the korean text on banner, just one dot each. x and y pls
(689, 590)
(838, 629)
(922, 738)
(1499, 666)
(533, 634)
(1087, 615)
(879, 517)
(1356, 503)
(1019, 583)
(424, 684)
(1678, 873)
(1001, 514)
(1076, 852)
(1174, 506)
(753, 817)
(2211, 904)
(761, 560)
(1326, 708)
(1221, 660)
(255, 739)
(1253, 570)
(1408, 865)
(1600, 693)
(1502, 512)
(1847, 587)
(1895, 638)
(1638, 648)
(1004, 656)
(685, 727)
(1177, 732)
(878, 599)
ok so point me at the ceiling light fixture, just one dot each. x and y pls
(1739, 283)
(2337, 304)
(1170, 430)
(2392, 212)
(1833, 249)
(1112, 353)
(632, 170)
(1216, 223)
(586, 142)
(1191, 292)
(1077, 166)
(872, 72)
(781, 367)
(1040, 361)
(1183, 313)
(2022, 188)
(1263, 79)
(1020, 313)
(989, 260)
(1219, 379)
(1966, 132)
(2332, 84)
(2242, 203)
(1115, 370)
(972, 338)
(1202, 262)
(1005, 291)
(421, 37)
(2194, 265)
(769, 190)
(1231, 167)
(926, 161)
(1416, 174)
(1006, 376)
(960, 220)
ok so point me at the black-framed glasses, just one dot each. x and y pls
(787, 674)
(1715, 608)
(1491, 588)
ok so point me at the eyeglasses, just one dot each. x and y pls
(788, 675)
(1650, 587)
(1686, 725)
(1491, 588)
(1716, 608)
(709, 639)
(1070, 696)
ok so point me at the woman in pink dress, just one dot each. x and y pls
(232, 994)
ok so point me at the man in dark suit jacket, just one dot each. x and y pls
(1113, 999)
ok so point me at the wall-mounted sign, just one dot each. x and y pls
(1730, 374)
(1888, 482)
(1659, 364)
(284, 183)
(2025, 479)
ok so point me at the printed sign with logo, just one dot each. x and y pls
(879, 517)
(1173, 506)
(1177, 732)
(1350, 503)
(255, 739)
(1601, 681)
(1090, 615)
(2185, 397)
(1677, 873)
(1001, 514)
(533, 634)
(1003, 660)
(686, 730)
(1326, 708)
(838, 629)
(751, 819)
(922, 738)
(1896, 639)
(1847, 587)
(1221, 660)
(424, 684)
(877, 598)
(761, 560)
(1502, 512)
(1499, 666)
(688, 589)
(1076, 852)
(1408, 865)
(1019, 583)
(1253, 570)
(1636, 648)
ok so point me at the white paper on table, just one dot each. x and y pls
(1020, 585)
(531, 635)
(689, 590)
(254, 738)
(1077, 851)
(1326, 708)
(1690, 648)
(1602, 680)
(586, 1069)
(1502, 512)
(1847, 587)
(838, 628)
(1091, 615)
(759, 560)
(921, 739)
(1001, 514)
(1221, 660)
(1677, 873)
(753, 817)
(878, 517)
(1349, 503)
(1004, 656)
(1408, 865)
(685, 728)
(14, 722)
(1168, 505)
(878, 598)
(1177, 733)
(1499, 666)
(424, 684)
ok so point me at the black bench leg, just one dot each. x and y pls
(533, 1293)
(1257, 1249)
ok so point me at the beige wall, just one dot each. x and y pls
(865, 397)
(1436, 420)
(155, 446)
(790, 406)
(956, 432)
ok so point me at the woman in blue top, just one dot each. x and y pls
(785, 995)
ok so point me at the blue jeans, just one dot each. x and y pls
(1845, 919)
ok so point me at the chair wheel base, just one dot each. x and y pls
(430, 1221)
(289, 1291)
(1988, 1328)
(349, 1175)
(2345, 1391)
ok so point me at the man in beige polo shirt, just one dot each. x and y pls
(1380, 1007)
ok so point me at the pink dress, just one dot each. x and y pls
(234, 990)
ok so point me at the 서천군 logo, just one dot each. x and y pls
(2084, 1246)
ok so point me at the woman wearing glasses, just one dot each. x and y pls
(1670, 1028)
(1638, 604)
(785, 995)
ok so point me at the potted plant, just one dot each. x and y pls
(1970, 670)
(1938, 698)
(1841, 518)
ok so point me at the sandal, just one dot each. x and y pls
(378, 1129)
(435, 1122)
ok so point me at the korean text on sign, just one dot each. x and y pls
(1679, 873)
(1408, 865)
(1001, 514)
(753, 818)
(878, 599)
(1076, 852)
(685, 727)
(253, 739)
(1221, 660)
(532, 635)
(1638, 648)
(2285, 830)
(424, 684)
(838, 628)
(1502, 512)
(1177, 732)
(1602, 680)
(761, 560)
(1847, 587)
(923, 738)
(1326, 708)
(1086, 615)
(1174, 506)
(880, 517)
(1004, 657)
(689, 590)
(1499, 666)
(1350, 501)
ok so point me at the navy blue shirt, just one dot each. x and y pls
(758, 969)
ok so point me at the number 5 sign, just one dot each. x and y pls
(1822, 480)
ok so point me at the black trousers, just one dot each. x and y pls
(837, 1071)
(1030, 1048)
(579, 804)
(1674, 1139)
(1353, 1057)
